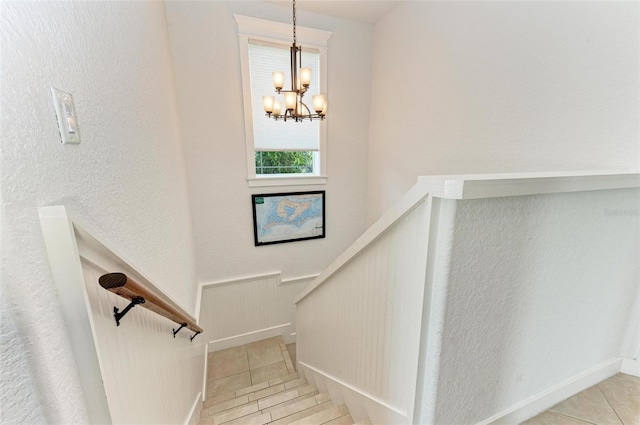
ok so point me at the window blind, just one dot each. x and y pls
(268, 134)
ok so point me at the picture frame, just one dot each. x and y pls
(288, 217)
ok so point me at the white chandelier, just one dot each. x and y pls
(294, 108)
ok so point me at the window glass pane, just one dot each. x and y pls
(283, 162)
(268, 134)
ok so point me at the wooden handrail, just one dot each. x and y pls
(120, 284)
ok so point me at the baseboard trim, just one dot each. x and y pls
(194, 413)
(542, 401)
(372, 400)
(204, 377)
(241, 279)
(630, 367)
(300, 279)
(246, 338)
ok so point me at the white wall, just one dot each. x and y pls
(205, 50)
(477, 87)
(126, 179)
(540, 289)
(359, 329)
(236, 312)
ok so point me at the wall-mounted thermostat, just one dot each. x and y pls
(66, 113)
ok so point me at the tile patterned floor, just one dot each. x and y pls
(615, 401)
(256, 384)
(247, 365)
(248, 378)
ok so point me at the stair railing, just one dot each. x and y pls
(358, 323)
(121, 284)
(370, 327)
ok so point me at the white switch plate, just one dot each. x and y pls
(66, 113)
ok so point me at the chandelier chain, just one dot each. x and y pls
(294, 21)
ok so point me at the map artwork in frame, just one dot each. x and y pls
(288, 217)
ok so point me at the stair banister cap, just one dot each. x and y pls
(474, 186)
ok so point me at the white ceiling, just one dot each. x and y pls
(357, 10)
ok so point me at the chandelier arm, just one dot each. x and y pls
(307, 108)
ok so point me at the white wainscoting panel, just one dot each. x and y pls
(243, 310)
(361, 327)
(135, 373)
(149, 377)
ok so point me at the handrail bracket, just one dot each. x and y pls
(134, 301)
(175, 331)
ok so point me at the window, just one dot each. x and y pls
(280, 153)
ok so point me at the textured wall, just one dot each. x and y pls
(487, 87)
(540, 289)
(205, 49)
(126, 179)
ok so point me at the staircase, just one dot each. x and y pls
(256, 384)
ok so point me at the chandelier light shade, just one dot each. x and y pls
(294, 108)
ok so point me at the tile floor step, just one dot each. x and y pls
(323, 416)
(213, 400)
(210, 402)
(256, 384)
(238, 412)
(282, 397)
(342, 420)
(364, 422)
(297, 405)
(239, 367)
(226, 405)
(267, 393)
(253, 419)
(303, 414)
(283, 379)
(282, 413)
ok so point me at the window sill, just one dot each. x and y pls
(286, 181)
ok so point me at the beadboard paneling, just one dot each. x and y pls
(362, 325)
(249, 306)
(149, 377)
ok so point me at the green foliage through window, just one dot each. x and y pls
(284, 162)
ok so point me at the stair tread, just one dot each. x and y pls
(284, 378)
(278, 398)
(297, 405)
(323, 416)
(285, 399)
(278, 388)
(235, 413)
(227, 405)
(276, 413)
(342, 420)
(253, 419)
(364, 422)
(303, 414)
(254, 387)
(269, 394)
(222, 398)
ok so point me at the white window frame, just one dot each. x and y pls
(250, 28)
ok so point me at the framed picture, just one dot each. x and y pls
(288, 217)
